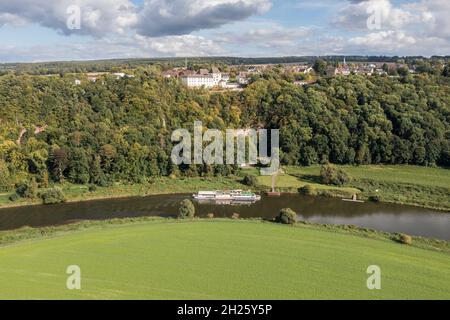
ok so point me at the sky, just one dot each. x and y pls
(51, 30)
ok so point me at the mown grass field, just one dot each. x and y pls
(219, 260)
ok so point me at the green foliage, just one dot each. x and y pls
(320, 67)
(287, 216)
(308, 190)
(53, 196)
(186, 210)
(27, 189)
(14, 197)
(250, 180)
(333, 175)
(119, 130)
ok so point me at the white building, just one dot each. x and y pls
(198, 81)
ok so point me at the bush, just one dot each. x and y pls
(250, 181)
(53, 196)
(404, 239)
(14, 197)
(187, 210)
(375, 198)
(308, 190)
(287, 216)
(332, 175)
(92, 188)
(28, 189)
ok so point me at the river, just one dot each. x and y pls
(380, 216)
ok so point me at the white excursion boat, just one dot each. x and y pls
(234, 195)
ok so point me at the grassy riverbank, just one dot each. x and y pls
(420, 186)
(412, 185)
(218, 259)
(75, 193)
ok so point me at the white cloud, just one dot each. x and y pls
(177, 17)
(114, 47)
(355, 14)
(98, 17)
(152, 18)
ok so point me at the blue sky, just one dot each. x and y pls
(36, 30)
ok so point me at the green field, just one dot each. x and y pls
(219, 260)
(421, 186)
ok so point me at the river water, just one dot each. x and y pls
(380, 216)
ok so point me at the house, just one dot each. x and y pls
(170, 74)
(242, 78)
(205, 79)
(199, 80)
(77, 82)
(303, 69)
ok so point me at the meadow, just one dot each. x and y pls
(218, 259)
(413, 185)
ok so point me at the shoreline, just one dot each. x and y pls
(29, 234)
(94, 197)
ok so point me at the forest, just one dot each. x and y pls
(52, 130)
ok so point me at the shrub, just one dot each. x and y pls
(287, 216)
(308, 190)
(375, 198)
(332, 175)
(404, 239)
(53, 196)
(14, 197)
(250, 180)
(27, 189)
(186, 210)
(92, 188)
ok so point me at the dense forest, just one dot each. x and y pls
(119, 129)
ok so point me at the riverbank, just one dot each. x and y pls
(427, 187)
(27, 233)
(150, 258)
(80, 193)
(408, 185)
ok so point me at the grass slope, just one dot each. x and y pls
(219, 260)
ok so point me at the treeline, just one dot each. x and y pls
(62, 67)
(119, 130)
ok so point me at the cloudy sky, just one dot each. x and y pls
(44, 30)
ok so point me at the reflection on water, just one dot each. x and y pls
(387, 217)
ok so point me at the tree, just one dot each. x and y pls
(53, 196)
(59, 160)
(186, 210)
(27, 189)
(287, 216)
(320, 66)
(332, 175)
